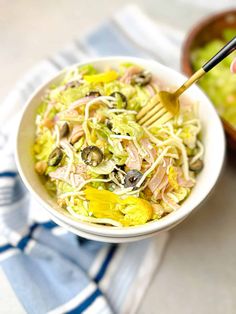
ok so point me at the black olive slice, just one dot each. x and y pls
(132, 178)
(143, 78)
(64, 130)
(92, 155)
(94, 93)
(55, 157)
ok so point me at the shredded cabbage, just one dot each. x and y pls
(124, 124)
(99, 163)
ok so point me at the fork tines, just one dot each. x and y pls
(154, 113)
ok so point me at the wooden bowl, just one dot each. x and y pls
(205, 31)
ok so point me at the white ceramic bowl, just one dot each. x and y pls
(213, 140)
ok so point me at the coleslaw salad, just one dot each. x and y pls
(99, 163)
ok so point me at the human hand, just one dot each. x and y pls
(233, 66)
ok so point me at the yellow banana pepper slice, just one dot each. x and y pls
(105, 77)
(92, 194)
(130, 211)
(137, 211)
(105, 210)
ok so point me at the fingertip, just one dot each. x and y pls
(233, 66)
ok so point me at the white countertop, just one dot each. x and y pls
(198, 271)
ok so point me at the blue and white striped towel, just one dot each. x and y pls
(44, 268)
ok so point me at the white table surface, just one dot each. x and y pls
(198, 271)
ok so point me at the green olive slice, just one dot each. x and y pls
(55, 157)
(92, 155)
(197, 166)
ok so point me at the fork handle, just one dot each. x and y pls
(224, 52)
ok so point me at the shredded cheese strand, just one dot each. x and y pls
(93, 219)
(94, 101)
(141, 151)
(113, 179)
(64, 195)
(151, 136)
(124, 137)
(103, 99)
(173, 197)
(122, 110)
(199, 154)
(91, 180)
(124, 191)
(171, 132)
(120, 170)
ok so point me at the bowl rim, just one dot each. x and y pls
(150, 227)
(102, 238)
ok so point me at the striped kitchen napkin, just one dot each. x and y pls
(44, 268)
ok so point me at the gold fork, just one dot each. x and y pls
(164, 105)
